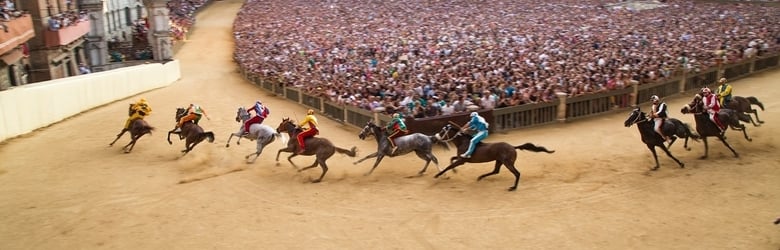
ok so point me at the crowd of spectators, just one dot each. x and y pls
(67, 18)
(182, 15)
(438, 57)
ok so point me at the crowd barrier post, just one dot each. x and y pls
(561, 115)
(635, 93)
(683, 82)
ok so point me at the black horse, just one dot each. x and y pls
(744, 105)
(501, 152)
(193, 133)
(320, 147)
(138, 128)
(672, 127)
(418, 143)
(706, 128)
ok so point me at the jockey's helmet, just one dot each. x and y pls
(142, 100)
(473, 114)
(310, 112)
(722, 80)
(655, 98)
(396, 115)
(706, 90)
(258, 102)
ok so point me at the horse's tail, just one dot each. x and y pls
(690, 132)
(439, 142)
(209, 135)
(351, 153)
(531, 147)
(754, 101)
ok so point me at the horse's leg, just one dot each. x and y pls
(324, 169)
(515, 172)
(655, 156)
(744, 132)
(755, 112)
(288, 149)
(427, 157)
(668, 153)
(117, 137)
(169, 137)
(372, 155)
(289, 159)
(132, 143)
(496, 169)
(227, 145)
(706, 147)
(260, 145)
(452, 166)
(376, 163)
(729, 146)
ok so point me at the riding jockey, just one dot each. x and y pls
(261, 112)
(711, 105)
(659, 114)
(194, 112)
(138, 110)
(309, 124)
(724, 92)
(396, 127)
(478, 124)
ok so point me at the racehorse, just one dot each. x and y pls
(138, 128)
(501, 152)
(264, 134)
(320, 147)
(672, 127)
(418, 143)
(743, 105)
(706, 128)
(193, 133)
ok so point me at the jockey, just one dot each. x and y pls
(194, 113)
(711, 105)
(138, 110)
(724, 92)
(261, 112)
(659, 114)
(312, 130)
(479, 124)
(396, 127)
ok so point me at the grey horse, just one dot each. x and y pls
(262, 133)
(418, 143)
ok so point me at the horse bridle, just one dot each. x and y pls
(638, 118)
(446, 135)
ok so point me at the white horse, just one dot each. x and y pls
(262, 133)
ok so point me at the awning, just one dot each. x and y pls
(12, 56)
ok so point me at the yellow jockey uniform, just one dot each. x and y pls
(138, 110)
(724, 93)
(311, 122)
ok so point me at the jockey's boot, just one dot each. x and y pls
(394, 149)
(465, 156)
(177, 130)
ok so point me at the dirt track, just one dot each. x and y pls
(62, 188)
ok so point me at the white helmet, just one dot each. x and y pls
(655, 98)
(706, 90)
(473, 114)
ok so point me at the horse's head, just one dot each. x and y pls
(287, 125)
(242, 114)
(366, 131)
(634, 117)
(180, 112)
(448, 132)
(694, 107)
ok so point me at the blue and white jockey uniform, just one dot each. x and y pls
(478, 124)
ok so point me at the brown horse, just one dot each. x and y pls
(501, 152)
(191, 131)
(706, 128)
(744, 105)
(138, 128)
(320, 147)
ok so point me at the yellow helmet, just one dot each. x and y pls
(310, 112)
(142, 100)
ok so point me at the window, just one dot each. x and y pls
(128, 18)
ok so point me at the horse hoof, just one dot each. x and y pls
(654, 169)
(227, 145)
(512, 189)
(316, 181)
(682, 165)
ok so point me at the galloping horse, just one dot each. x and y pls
(320, 147)
(743, 105)
(264, 134)
(500, 152)
(193, 133)
(671, 126)
(706, 128)
(419, 143)
(138, 128)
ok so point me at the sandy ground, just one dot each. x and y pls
(61, 187)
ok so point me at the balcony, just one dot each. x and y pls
(20, 30)
(67, 34)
